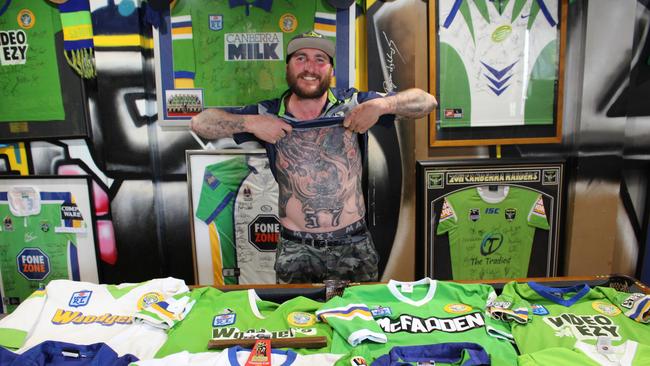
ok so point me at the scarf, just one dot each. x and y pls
(78, 37)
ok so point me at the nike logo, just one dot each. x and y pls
(525, 16)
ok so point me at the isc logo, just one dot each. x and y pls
(492, 210)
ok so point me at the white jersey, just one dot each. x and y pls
(86, 313)
(257, 227)
(237, 356)
(494, 59)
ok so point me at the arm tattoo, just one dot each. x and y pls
(412, 103)
(322, 171)
(217, 123)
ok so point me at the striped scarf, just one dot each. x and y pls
(78, 36)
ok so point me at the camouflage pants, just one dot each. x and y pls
(352, 258)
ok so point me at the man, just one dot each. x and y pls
(315, 137)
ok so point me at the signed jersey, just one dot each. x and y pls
(380, 317)
(498, 62)
(542, 317)
(38, 241)
(30, 89)
(86, 313)
(491, 233)
(235, 50)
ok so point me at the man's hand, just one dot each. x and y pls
(365, 115)
(266, 127)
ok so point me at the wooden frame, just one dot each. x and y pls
(437, 181)
(494, 134)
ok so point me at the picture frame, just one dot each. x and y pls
(233, 200)
(47, 233)
(467, 230)
(489, 94)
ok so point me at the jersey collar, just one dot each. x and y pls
(556, 295)
(331, 101)
(393, 288)
(262, 4)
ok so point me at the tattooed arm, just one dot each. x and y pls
(217, 123)
(412, 103)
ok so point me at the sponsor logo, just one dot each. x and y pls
(70, 211)
(288, 23)
(631, 300)
(605, 308)
(63, 317)
(380, 311)
(234, 333)
(228, 317)
(412, 324)
(453, 113)
(254, 46)
(215, 22)
(80, 298)
(457, 308)
(501, 33)
(301, 319)
(539, 309)
(264, 232)
(26, 19)
(500, 304)
(33, 263)
(583, 327)
(491, 243)
(13, 47)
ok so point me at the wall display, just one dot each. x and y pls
(47, 233)
(496, 68)
(488, 219)
(234, 215)
(41, 96)
(228, 53)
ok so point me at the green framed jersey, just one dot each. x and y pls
(491, 233)
(377, 318)
(29, 74)
(629, 353)
(542, 317)
(205, 314)
(235, 50)
(38, 241)
(498, 62)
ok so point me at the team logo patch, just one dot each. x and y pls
(501, 33)
(288, 23)
(500, 304)
(228, 317)
(80, 298)
(453, 113)
(380, 311)
(8, 224)
(248, 195)
(539, 309)
(45, 226)
(26, 19)
(301, 319)
(510, 213)
(629, 302)
(457, 308)
(436, 180)
(358, 361)
(215, 22)
(446, 212)
(149, 299)
(539, 207)
(605, 308)
(474, 214)
(550, 176)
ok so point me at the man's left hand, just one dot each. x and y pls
(365, 115)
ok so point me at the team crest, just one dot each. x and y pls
(631, 300)
(228, 317)
(380, 311)
(301, 319)
(358, 361)
(288, 23)
(539, 309)
(605, 308)
(80, 298)
(215, 22)
(436, 180)
(474, 214)
(248, 195)
(510, 214)
(8, 224)
(45, 226)
(457, 308)
(26, 19)
(149, 299)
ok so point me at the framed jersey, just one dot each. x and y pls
(234, 216)
(47, 233)
(483, 219)
(496, 68)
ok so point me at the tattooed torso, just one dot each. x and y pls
(319, 174)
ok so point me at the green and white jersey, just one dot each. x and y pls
(380, 317)
(235, 50)
(542, 317)
(38, 241)
(498, 62)
(629, 353)
(237, 356)
(491, 233)
(29, 76)
(206, 313)
(85, 313)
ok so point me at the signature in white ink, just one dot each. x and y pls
(29, 237)
(390, 67)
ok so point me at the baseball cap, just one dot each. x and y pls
(311, 39)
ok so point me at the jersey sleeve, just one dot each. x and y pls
(509, 307)
(169, 312)
(352, 321)
(537, 214)
(448, 218)
(220, 182)
(15, 327)
(635, 306)
(183, 46)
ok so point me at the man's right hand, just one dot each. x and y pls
(266, 127)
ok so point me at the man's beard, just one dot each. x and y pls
(324, 84)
